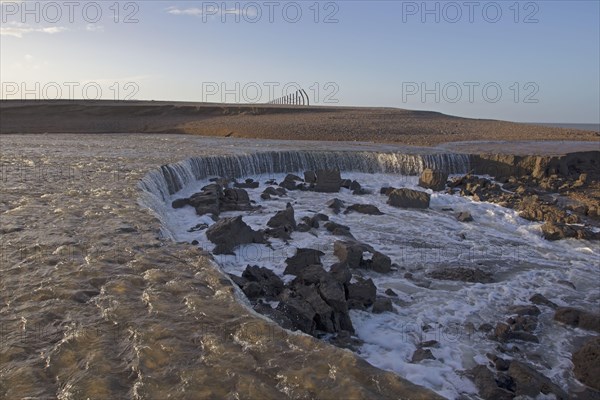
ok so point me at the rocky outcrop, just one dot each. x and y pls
(578, 318)
(361, 294)
(302, 259)
(291, 182)
(368, 209)
(282, 224)
(434, 180)
(408, 198)
(214, 199)
(228, 233)
(328, 181)
(586, 363)
(351, 253)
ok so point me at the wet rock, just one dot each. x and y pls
(335, 205)
(435, 180)
(311, 274)
(487, 385)
(324, 314)
(380, 263)
(390, 292)
(557, 231)
(386, 190)
(198, 227)
(271, 191)
(328, 181)
(180, 203)
(368, 209)
(586, 363)
(291, 182)
(248, 184)
(421, 354)
(299, 312)
(302, 259)
(472, 275)
(238, 280)
(341, 273)
(408, 198)
(485, 327)
(382, 305)
(270, 284)
(525, 310)
(282, 224)
(529, 382)
(234, 200)
(464, 216)
(310, 177)
(361, 294)
(228, 233)
(274, 314)
(338, 229)
(542, 301)
(429, 343)
(500, 364)
(505, 332)
(350, 252)
(252, 290)
(578, 318)
(345, 340)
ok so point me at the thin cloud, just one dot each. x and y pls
(17, 29)
(197, 12)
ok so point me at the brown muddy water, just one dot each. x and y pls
(97, 302)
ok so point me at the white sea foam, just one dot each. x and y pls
(419, 241)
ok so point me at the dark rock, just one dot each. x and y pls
(368, 209)
(525, 310)
(252, 290)
(422, 354)
(228, 233)
(299, 312)
(578, 318)
(246, 185)
(235, 200)
(382, 305)
(283, 218)
(302, 259)
(464, 217)
(310, 177)
(542, 301)
(265, 196)
(586, 363)
(275, 315)
(311, 274)
(361, 294)
(270, 284)
(198, 227)
(238, 280)
(557, 231)
(407, 198)
(275, 191)
(485, 327)
(474, 275)
(324, 314)
(429, 343)
(335, 205)
(341, 273)
(345, 340)
(345, 183)
(83, 296)
(380, 263)
(486, 382)
(435, 180)
(338, 229)
(180, 203)
(328, 181)
(291, 182)
(355, 186)
(529, 382)
(386, 190)
(505, 333)
(390, 292)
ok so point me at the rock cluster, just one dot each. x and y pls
(215, 199)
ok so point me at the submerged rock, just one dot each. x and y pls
(382, 305)
(338, 229)
(472, 275)
(464, 216)
(335, 205)
(422, 354)
(529, 382)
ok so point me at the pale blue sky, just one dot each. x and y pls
(378, 53)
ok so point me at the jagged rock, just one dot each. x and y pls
(542, 301)
(505, 333)
(234, 200)
(390, 292)
(298, 311)
(341, 272)
(361, 294)
(578, 318)
(435, 180)
(382, 304)
(338, 229)
(344, 340)
(462, 274)
(302, 259)
(464, 216)
(291, 182)
(180, 203)
(270, 284)
(379, 263)
(486, 382)
(282, 224)
(328, 181)
(228, 233)
(311, 274)
(407, 198)
(499, 363)
(252, 290)
(422, 354)
(350, 252)
(335, 205)
(586, 363)
(271, 191)
(368, 209)
(274, 314)
(557, 231)
(386, 190)
(529, 382)
(324, 314)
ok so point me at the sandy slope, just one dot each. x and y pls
(266, 121)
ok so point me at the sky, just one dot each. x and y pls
(526, 61)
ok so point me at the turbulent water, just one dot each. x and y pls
(99, 300)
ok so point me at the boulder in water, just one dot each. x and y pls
(433, 179)
(302, 259)
(228, 233)
(328, 181)
(368, 209)
(335, 205)
(586, 363)
(408, 198)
